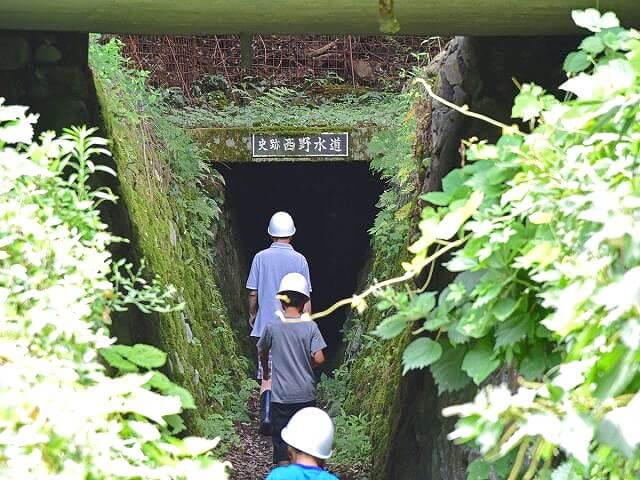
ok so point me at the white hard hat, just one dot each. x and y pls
(310, 430)
(294, 282)
(281, 225)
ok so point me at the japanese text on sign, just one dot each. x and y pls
(308, 145)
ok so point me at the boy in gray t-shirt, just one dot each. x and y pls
(296, 346)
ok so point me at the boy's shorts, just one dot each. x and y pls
(281, 413)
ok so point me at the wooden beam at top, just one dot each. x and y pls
(416, 17)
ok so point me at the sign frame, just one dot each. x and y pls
(293, 155)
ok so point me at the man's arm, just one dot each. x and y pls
(317, 358)
(305, 273)
(253, 306)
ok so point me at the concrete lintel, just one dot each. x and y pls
(362, 17)
(233, 144)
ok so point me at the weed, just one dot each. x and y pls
(146, 109)
(282, 106)
(230, 401)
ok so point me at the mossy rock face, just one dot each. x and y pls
(62, 112)
(14, 52)
(12, 87)
(199, 340)
(60, 81)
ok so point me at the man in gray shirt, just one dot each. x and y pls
(296, 346)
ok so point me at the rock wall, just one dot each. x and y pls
(199, 340)
(48, 72)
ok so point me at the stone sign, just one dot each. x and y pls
(305, 145)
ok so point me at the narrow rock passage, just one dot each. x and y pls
(252, 457)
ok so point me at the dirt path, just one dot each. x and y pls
(252, 458)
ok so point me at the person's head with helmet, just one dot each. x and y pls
(293, 293)
(281, 227)
(309, 435)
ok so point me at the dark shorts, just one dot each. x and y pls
(281, 413)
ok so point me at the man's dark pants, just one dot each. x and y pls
(281, 413)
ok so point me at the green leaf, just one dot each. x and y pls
(592, 45)
(437, 198)
(479, 362)
(114, 359)
(421, 305)
(460, 263)
(513, 330)
(176, 424)
(526, 107)
(615, 371)
(478, 470)
(576, 62)
(453, 180)
(418, 308)
(534, 364)
(447, 371)
(504, 307)
(160, 382)
(474, 323)
(185, 396)
(146, 356)
(420, 353)
(391, 327)
(504, 464)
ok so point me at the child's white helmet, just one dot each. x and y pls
(294, 282)
(281, 225)
(310, 430)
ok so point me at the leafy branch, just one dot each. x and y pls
(544, 226)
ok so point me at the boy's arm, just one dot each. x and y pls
(264, 360)
(317, 346)
(264, 346)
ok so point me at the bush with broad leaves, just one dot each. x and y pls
(545, 227)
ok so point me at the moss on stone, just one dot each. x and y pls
(375, 374)
(199, 340)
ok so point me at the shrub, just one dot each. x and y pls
(544, 226)
(61, 416)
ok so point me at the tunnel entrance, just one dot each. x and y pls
(333, 205)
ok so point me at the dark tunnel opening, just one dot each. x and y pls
(333, 205)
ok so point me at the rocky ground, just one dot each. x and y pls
(252, 457)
